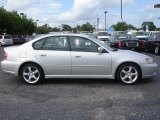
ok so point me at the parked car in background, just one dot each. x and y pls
(141, 35)
(16, 40)
(126, 41)
(120, 33)
(27, 38)
(6, 40)
(90, 34)
(75, 56)
(153, 43)
(21, 39)
(103, 36)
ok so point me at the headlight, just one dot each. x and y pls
(149, 60)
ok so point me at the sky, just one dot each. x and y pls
(78, 12)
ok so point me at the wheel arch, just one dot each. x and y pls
(29, 62)
(127, 63)
(156, 44)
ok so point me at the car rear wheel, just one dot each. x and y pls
(128, 73)
(0, 44)
(156, 50)
(32, 74)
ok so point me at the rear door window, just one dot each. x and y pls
(57, 43)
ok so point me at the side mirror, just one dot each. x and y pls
(100, 49)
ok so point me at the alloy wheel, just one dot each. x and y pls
(31, 74)
(129, 74)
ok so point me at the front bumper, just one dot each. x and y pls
(148, 70)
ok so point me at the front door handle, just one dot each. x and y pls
(78, 56)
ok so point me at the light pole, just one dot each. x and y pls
(37, 25)
(21, 14)
(98, 24)
(157, 6)
(105, 20)
(121, 16)
(121, 11)
(37, 22)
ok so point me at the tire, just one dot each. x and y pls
(156, 50)
(32, 74)
(128, 73)
(0, 44)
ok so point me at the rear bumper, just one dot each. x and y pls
(148, 70)
(133, 48)
(10, 67)
(7, 43)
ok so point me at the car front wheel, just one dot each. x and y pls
(129, 73)
(32, 74)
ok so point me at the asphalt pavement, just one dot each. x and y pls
(79, 99)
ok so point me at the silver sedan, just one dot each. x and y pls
(75, 56)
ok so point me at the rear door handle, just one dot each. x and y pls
(43, 55)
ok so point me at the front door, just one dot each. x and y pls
(86, 60)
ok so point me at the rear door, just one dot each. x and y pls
(54, 55)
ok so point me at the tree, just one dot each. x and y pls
(44, 29)
(123, 26)
(55, 29)
(151, 26)
(120, 26)
(87, 27)
(66, 27)
(13, 23)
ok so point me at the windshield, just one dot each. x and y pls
(7, 37)
(121, 33)
(125, 37)
(103, 34)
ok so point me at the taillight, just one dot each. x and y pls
(119, 44)
(5, 55)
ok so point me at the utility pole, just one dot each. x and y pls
(105, 20)
(97, 23)
(121, 16)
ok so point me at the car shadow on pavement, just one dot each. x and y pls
(91, 81)
(79, 81)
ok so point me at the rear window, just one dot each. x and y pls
(7, 37)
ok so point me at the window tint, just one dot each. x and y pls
(0, 37)
(52, 43)
(83, 45)
(38, 45)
